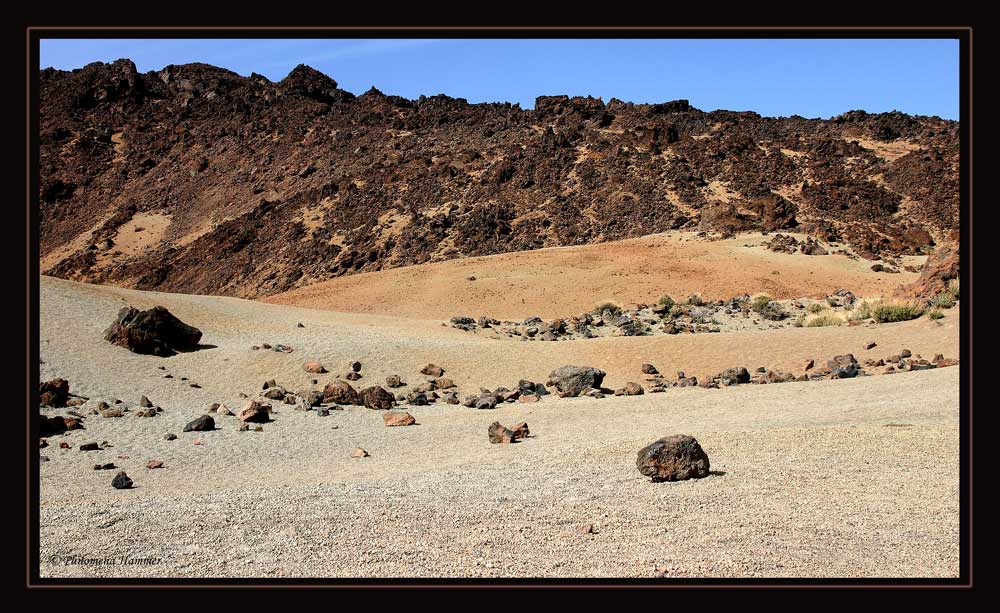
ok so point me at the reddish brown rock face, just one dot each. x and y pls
(941, 267)
(398, 419)
(673, 458)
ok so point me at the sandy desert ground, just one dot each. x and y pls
(842, 478)
(566, 281)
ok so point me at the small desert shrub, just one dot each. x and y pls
(676, 311)
(767, 308)
(944, 300)
(667, 301)
(890, 311)
(862, 310)
(695, 300)
(799, 321)
(760, 302)
(606, 306)
(935, 314)
(823, 321)
(953, 287)
(817, 307)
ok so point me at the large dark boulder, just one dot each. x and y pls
(574, 380)
(376, 397)
(673, 458)
(154, 331)
(121, 481)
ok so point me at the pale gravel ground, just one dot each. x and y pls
(819, 478)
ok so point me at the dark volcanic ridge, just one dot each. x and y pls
(195, 179)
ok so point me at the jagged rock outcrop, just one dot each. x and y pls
(245, 187)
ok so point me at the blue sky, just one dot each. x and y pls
(812, 78)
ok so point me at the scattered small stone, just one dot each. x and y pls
(870, 345)
(154, 464)
(108, 466)
(398, 419)
(86, 447)
(649, 369)
(314, 367)
(499, 434)
(144, 402)
(254, 411)
(170, 436)
(359, 453)
(394, 381)
(201, 424)
(583, 529)
(630, 389)
(432, 370)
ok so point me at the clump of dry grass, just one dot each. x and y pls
(886, 310)
(825, 320)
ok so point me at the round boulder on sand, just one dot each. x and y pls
(340, 392)
(673, 458)
(574, 380)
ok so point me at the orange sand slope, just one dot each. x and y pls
(565, 281)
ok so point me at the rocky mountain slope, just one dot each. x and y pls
(195, 179)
